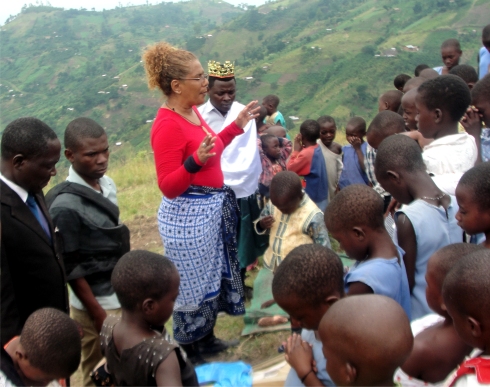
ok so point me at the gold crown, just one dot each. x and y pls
(218, 70)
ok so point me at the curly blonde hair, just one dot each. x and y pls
(164, 63)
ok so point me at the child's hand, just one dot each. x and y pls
(266, 222)
(298, 145)
(355, 142)
(471, 121)
(299, 355)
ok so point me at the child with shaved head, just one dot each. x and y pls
(473, 196)
(409, 109)
(291, 218)
(390, 100)
(466, 294)
(400, 81)
(355, 218)
(365, 338)
(419, 68)
(306, 284)
(426, 222)
(467, 73)
(410, 118)
(428, 74)
(437, 347)
(147, 286)
(413, 84)
(386, 123)
(48, 349)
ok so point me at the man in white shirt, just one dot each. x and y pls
(240, 160)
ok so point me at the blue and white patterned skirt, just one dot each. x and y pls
(198, 230)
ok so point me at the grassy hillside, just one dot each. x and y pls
(319, 56)
(60, 64)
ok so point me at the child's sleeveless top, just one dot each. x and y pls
(352, 172)
(434, 229)
(137, 366)
(387, 277)
(289, 231)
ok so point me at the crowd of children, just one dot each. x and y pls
(408, 200)
(433, 182)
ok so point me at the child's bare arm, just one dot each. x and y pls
(168, 372)
(414, 135)
(408, 242)
(420, 358)
(336, 148)
(299, 355)
(356, 288)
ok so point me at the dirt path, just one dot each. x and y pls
(144, 234)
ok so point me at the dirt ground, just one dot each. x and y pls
(144, 234)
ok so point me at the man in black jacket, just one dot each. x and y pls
(84, 209)
(32, 272)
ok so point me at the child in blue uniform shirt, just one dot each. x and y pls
(308, 282)
(484, 54)
(354, 171)
(426, 222)
(355, 218)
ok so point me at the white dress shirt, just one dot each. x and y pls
(16, 188)
(240, 161)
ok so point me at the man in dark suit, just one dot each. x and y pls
(32, 273)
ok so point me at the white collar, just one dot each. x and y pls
(209, 107)
(16, 188)
(452, 139)
(74, 177)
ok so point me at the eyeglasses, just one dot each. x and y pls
(202, 78)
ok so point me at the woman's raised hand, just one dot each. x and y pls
(204, 151)
(248, 113)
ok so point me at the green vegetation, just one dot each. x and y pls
(319, 56)
(61, 64)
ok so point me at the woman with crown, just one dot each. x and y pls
(198, 215)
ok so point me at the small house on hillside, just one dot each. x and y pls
(389, 53)
(410, 48)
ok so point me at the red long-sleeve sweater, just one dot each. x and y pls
(173, 140)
